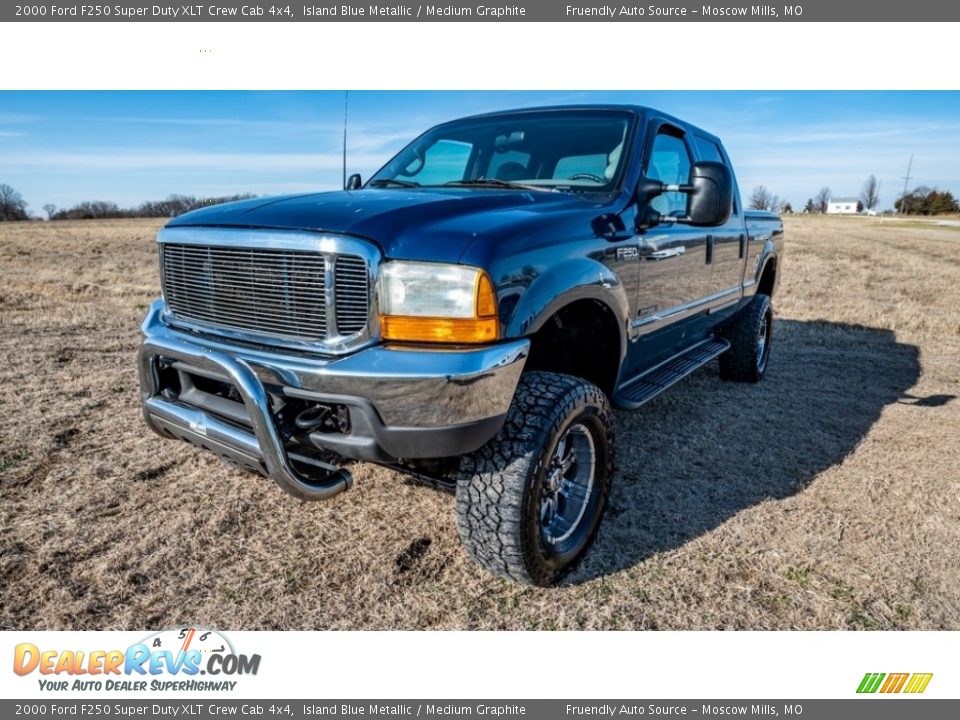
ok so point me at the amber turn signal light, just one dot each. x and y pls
(483, 327)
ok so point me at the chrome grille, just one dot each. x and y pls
(275, 293)
(352, 292)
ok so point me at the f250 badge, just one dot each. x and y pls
(628, 253)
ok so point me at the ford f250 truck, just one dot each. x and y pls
(470, 314)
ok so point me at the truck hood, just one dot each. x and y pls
(418, 224)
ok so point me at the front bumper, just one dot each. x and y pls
(403, 403)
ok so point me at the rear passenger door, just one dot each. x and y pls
(674, 274)
(727, 243)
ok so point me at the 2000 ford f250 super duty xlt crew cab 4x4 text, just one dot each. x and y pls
(469, 314)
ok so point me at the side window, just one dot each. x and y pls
(443, 161)
(708, 150)
(669, 163)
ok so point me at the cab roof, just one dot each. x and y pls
(638, 110)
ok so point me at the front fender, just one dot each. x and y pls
(562, 284)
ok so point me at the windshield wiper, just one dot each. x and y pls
(493, 182)
(385, 182)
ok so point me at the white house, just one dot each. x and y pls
(842, 206)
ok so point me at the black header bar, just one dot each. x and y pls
(200, 707)
(494, 11)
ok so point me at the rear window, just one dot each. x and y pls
(509, 165)
(570, 166)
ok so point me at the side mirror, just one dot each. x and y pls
(354, 182)
(710, 201)
(709, 191)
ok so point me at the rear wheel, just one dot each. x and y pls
(749, 334)
(530, 501)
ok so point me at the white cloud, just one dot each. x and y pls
(327, 133)
(7, 118)
(148, 159)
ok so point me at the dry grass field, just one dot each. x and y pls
(826, 497)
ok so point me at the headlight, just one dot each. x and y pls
(430, 302)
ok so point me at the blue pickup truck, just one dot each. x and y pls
(470, 314)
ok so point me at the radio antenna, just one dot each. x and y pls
(346, 105)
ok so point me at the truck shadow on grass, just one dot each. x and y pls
(707, 449)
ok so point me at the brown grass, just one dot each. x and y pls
(825, 497)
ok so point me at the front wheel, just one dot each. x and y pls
(529, 502)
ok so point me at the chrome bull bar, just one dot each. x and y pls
(264, 448)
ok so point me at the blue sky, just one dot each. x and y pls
(65, 147)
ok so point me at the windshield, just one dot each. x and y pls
(569, 150)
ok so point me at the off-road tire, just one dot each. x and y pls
(499, 486)
(748, 358)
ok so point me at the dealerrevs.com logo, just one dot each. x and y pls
(892, 683)
(169, 660)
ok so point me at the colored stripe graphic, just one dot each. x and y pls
(918, 682)
(870, 682)
(894, 683)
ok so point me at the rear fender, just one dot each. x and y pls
(767, 256)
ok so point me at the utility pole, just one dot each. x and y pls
(346, 104)
(906, 179)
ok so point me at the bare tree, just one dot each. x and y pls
(761, 198)
(822, 199)
(870, 194)
(49, 209)
(12, 204)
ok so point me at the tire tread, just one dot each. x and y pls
(739, 363)
(491, 488)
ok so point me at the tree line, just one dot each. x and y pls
(14, 207)
(927, 201)
(921, 201)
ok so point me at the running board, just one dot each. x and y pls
(643, 388)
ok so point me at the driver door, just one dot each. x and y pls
(674, 274)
